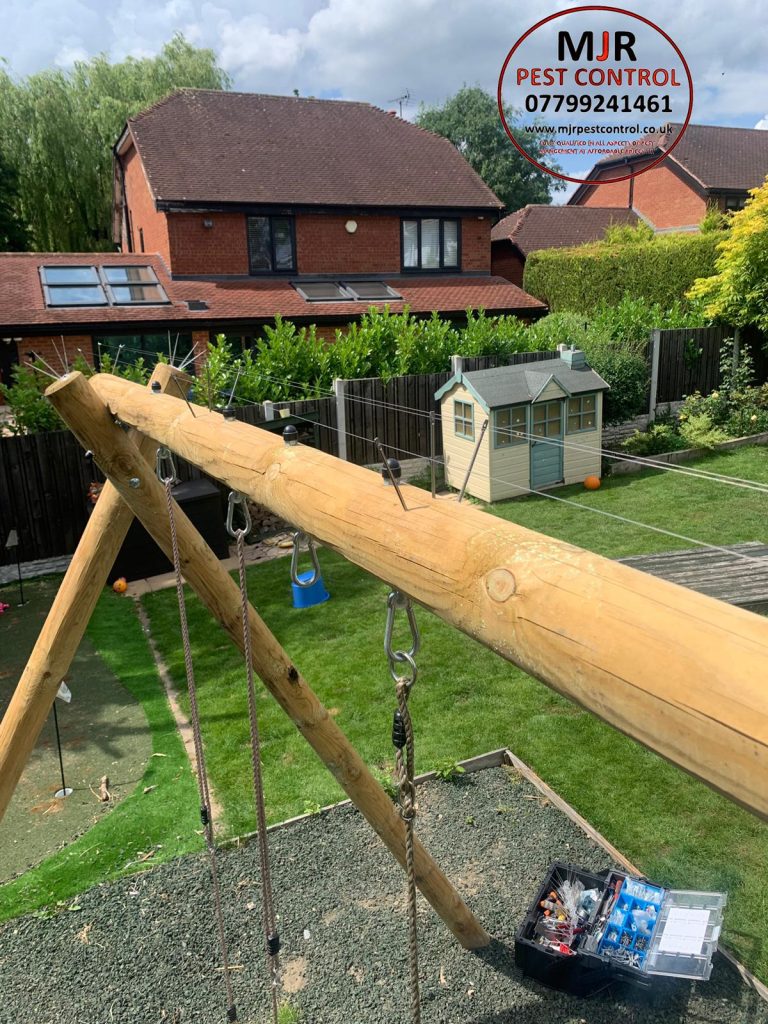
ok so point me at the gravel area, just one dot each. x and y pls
(142, 950)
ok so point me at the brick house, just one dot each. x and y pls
(537, 227)
(711, 166)
(230, 208)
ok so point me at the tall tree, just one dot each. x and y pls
(471, 121)
(13, 235)
(61, 126)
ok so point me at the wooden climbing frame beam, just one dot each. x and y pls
(121, 461)
(676, 670)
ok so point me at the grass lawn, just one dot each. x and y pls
(163, 820)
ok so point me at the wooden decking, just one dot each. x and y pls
(720, 573)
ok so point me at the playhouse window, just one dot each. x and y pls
(582, 414)
(509, 426)
(464, 420)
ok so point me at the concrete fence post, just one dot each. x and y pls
(456, 364)
(736, 349)
(655, 353)
(341, 416)
(269, 410)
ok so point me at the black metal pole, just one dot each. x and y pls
(18, 569)
(58, 744)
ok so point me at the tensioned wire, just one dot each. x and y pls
(545, 494)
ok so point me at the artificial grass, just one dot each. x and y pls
(468, 701)
(162, 820)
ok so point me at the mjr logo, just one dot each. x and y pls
(623, 42)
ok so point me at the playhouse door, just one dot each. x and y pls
(547, 444)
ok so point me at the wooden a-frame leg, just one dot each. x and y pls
(120, 459)
(67, 619)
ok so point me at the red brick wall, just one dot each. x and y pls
(324, 246)
(476, 243)
(660, 195)
(220, 249)
(506, 262)
(666, 200)
(142, 212)
(52, 349)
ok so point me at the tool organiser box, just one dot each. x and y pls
(584, 932)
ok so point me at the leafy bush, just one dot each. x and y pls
(698, 431)
(661, 271)
(627, 234)
(657, 440)
(735, 290)
(31, 412)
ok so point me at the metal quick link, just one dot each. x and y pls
(397, 659)
(166, 467)
(298, 537)
(237, 500)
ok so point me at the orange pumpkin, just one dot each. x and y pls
(120, 585)
(592, 483)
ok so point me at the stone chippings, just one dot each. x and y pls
(143, 950)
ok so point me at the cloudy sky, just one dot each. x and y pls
(377, 50)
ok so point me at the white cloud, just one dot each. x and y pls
(375, 50)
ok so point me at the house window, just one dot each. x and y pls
(345, 291)
(510, 426)
(735, 203)
(582, 414)
(464, 420)
(430, 243)
(271, 247)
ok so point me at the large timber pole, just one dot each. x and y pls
(676, 670)
(66, 621)
(121, 461)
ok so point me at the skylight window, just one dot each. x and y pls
(371, 291)
(101, 286)
(322, 291)
(345, 291)
(73, 286)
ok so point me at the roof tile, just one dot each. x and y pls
(549, 227)
(202, 145)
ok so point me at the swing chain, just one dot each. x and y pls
(166, 467)
(298, 538)
(235, 500)
(399, 658)
(402, 738)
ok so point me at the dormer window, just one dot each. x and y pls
(271, 245)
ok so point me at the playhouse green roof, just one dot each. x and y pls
(515, 385)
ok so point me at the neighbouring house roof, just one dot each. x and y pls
(207, 146)
(524, 382)
(22, 302)
(717, 158)
(548, 227)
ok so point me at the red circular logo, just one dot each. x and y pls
(584, 80)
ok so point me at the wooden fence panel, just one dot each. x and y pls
(689, 360)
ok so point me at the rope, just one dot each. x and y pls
(272, 939)
(202, 775)
(404, 761)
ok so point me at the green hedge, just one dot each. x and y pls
(659, 271)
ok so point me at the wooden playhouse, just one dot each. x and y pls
(544, 425)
